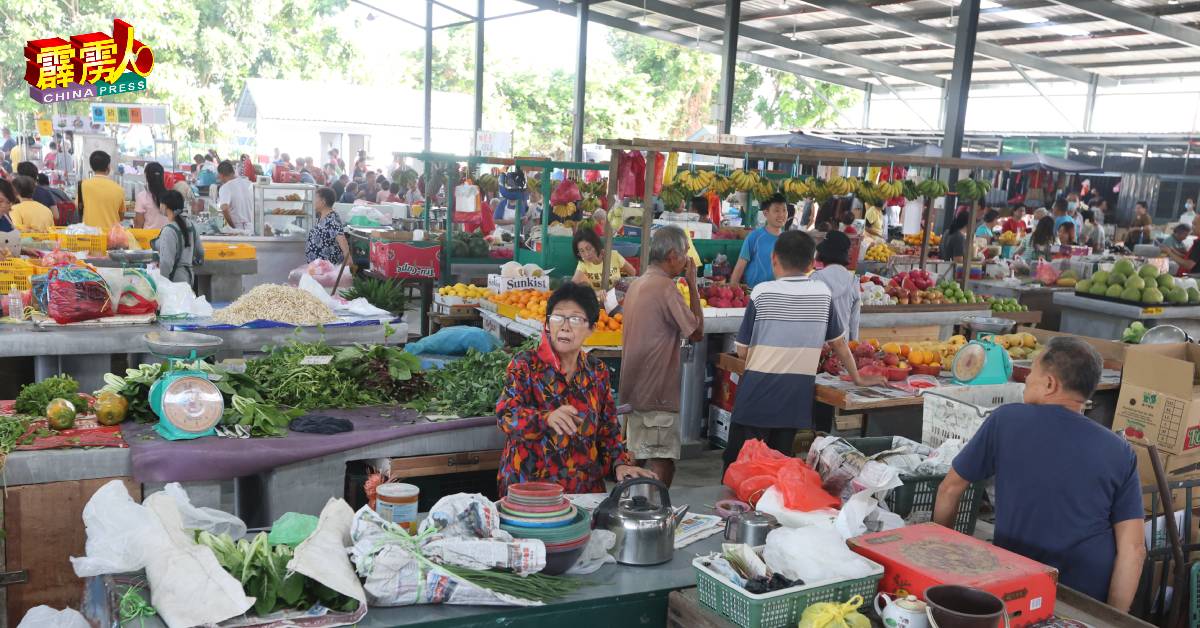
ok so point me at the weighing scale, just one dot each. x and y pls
(187, 403)
(981, 362)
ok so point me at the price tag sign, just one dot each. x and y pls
(316, 360)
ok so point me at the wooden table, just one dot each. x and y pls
(684, 610)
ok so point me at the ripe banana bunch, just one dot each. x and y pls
(795, 189)
(891, 189)
(721, 186)
(764, 190)
(932, 188)
(695, 182)
(837, 185)
(589, 205)
(744, 181)
(869, 193)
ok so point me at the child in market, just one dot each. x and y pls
(754, 261)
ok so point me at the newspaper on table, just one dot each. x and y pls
(696, 526)
(463, 530)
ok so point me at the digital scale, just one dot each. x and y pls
(981, 362)
(187, 403)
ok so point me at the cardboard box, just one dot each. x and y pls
(1179, 468)
(498, 283)
(719, 420)
(920, 556)
(1110, 350)
(724, 389)
(1159, 400)
(730, 362)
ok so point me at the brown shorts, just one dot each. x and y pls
(652, 435)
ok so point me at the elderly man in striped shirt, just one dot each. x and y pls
(787, 322)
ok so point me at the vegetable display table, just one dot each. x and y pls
(616, 595)
(86, 354)
(1108, 319)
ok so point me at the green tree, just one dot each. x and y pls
(682, 80)
(204, 51)
(453, 61)
(791, 102)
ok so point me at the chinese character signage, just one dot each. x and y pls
(87, 66)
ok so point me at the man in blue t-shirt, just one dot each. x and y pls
(754, 262)
(1067, 489)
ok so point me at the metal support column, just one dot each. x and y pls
(733, 18)
(582, 14)
(1090, 107)
(866, 120)
(959, 88)
(428, 81)
(479, 22)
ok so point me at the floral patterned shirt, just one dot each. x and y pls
(322, 239)
(532, 451)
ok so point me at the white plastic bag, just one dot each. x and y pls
(177, 299)
(46, 617)
(120, 532)
(595, 554)
(322, 556)
(813, 554)
(358, 307)
(208, 519)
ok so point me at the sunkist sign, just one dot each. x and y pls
(87, 66)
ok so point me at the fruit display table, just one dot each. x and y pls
(1035, 296)
(1098, 318)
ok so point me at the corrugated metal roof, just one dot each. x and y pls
(1059, 39)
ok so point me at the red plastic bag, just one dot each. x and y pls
(77, 294)
(759, 467)
(627, 182)
(566, 192)
(638, 166)
(660, 162)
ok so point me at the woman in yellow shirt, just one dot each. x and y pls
(28, 214)
(588, 250)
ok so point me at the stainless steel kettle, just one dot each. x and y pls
(645, 528)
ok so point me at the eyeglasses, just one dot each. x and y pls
(576, 321)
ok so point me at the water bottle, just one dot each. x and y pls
(14, 304)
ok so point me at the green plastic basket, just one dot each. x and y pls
(1194, 619)
(919, 492)
(778, 608)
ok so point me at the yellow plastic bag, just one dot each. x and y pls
(670, 168)
(830, 615)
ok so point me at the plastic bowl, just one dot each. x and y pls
(896, 374)
(557, 563)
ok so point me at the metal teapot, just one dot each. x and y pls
(750, 528)
(645, 529)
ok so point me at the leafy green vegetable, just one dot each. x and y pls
(536, 586)
(469, 386)
(387, 370)
(33, 398)
(284, 380)
(12, 428)
(386, 294)
(262, 570)
(135, 388)
(263, 419)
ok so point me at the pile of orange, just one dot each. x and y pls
(530, 304)
(610, 323)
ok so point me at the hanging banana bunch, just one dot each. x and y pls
(672, 195)
(763, 191)
(722, 185)
(744, 181)
(795, 189)
(933, 188)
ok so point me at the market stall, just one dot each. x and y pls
(1034, 296)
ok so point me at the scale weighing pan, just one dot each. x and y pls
(133, 257)
(182, 344)
(1164, 334)
(981, 362)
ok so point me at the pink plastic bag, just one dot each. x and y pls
(566, 192)
(1046, 273)
(627, 183)
(324, 271)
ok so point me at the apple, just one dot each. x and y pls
(891, 359)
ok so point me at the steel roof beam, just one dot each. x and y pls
(917, 29)
(780, 41)
(1137, 19)
(707, 46)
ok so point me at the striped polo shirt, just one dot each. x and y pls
(785, 326)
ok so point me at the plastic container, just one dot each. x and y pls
(914, 499)
(397, 503)
(959, 411)
(777, 608)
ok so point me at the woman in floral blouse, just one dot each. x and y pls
(326, 239)
(557, 411)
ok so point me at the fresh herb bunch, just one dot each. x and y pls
(262, 570)
(387, 294)
(33, 398)
(536, 586)
(469, 386)
(283, 380)
(387, 370)
(12, 429)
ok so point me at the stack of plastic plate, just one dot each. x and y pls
(538, 510)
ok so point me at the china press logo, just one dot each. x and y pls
(87, 66)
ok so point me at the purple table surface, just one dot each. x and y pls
(211, 458)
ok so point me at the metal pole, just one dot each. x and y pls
(613, 201)
(1090, 109)
(647, 210)
(428, 72)
(866, 120)
(478, 76)
(733, 16)
(582, 14)
(959, 88)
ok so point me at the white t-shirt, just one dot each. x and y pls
(237, 193)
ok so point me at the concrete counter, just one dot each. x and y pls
(1107, 319)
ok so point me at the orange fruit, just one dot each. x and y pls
(905, 350)
(917, 358)
(619, 317)
(853, 345)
